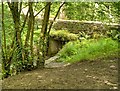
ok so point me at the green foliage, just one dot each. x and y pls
(20, 65)
(87, 49)
(63, 35)
(8, 24)
(114, 34)
(82, 35)
(116, 6)
(54, 9)
(94, 11)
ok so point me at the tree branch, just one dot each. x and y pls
(3, 28)
(52, 24)
(11, 5)
(20, 7)
(41, 10)
(55, 17)
(24, 22)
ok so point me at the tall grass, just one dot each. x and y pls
(88, 49)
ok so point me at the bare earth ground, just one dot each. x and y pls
(97, 74)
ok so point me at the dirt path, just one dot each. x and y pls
(97, 74)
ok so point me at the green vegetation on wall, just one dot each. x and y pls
(63, 35)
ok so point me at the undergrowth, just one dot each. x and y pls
(88, 49)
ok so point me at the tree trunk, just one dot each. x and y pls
(17, 41)
(26, 46)
(43, 34)
(31, 30)
(5, 66)
(29, 37)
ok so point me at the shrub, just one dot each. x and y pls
(114, 34)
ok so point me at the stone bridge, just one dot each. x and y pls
(76, 26)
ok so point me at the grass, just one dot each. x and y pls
(88, 50)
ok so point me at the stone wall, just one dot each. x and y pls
(76, 26)
(54, 46)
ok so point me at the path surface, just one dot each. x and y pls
(51, 63)
(97, 74)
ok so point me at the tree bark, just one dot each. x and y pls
(43, 33)
(17, 37)
(31, 29)
(29, 37)
(26, 46)
(5, 66)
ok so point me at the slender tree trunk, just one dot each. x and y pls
(43, 34)
(26, 46)
(29, 36)
(4, 36)
(31, 29)
(5, 66)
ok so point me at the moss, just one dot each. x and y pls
(63, 35)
